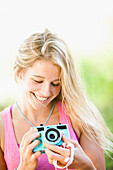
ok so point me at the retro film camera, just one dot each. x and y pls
(51, 134)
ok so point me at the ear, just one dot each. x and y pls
(19, 76)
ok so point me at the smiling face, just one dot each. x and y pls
(41, 83)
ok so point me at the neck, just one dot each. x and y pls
(35, 115)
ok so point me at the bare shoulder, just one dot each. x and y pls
(1, 122)
(93, 151)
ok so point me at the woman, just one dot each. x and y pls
(51, 94)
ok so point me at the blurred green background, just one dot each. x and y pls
(97, 74)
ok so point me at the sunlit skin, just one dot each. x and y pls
(40, 85)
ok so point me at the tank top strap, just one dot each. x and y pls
(64, 119)
(11, 150)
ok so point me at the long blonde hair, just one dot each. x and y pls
(83, 114)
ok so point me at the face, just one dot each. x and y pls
(41, 83)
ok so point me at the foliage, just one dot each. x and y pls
(98, 77)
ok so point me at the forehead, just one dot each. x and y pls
(45, 69)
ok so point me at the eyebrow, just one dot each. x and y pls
(39, 76)
(44, 77)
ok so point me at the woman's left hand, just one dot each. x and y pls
(55, 152)
(80, 161)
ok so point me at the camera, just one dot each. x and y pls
(51, 134)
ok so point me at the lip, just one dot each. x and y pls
(41, 101)
(41, 98)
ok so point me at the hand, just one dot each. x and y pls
(28, 159)
(81, 160)
(55, 152)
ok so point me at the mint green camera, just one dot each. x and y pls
(51, 134)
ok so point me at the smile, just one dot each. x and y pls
(39, 97)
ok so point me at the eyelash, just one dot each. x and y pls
(51, 83)
(55, 84)
(38, 81)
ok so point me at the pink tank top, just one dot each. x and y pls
(11, 149)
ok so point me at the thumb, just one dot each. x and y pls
(67, 140)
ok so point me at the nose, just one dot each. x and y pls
(46, 90)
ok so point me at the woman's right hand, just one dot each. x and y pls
(28, 159)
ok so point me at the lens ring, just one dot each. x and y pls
(55, 133)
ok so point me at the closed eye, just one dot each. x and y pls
(55, 84)
(38, 81)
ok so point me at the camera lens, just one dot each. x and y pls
(52, 135)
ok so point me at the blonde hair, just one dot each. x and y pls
(83, 114)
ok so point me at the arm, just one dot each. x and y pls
(28, 159)
(94, 152)
(87, 155)
(2, 161)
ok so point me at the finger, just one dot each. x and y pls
(29, 137)
(52, 155)
(57, 149)
(31, 146)
(36, 155)
(25, 136)
(67, 140)
(50, 160)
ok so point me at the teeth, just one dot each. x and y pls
(40, 98)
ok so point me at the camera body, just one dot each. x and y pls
(51, 134)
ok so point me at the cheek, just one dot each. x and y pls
(56, 91)
(31, 86)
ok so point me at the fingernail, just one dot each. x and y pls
(34, 129)
(39, 134)
(44, 144)
(64, 145)
(67, 159)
